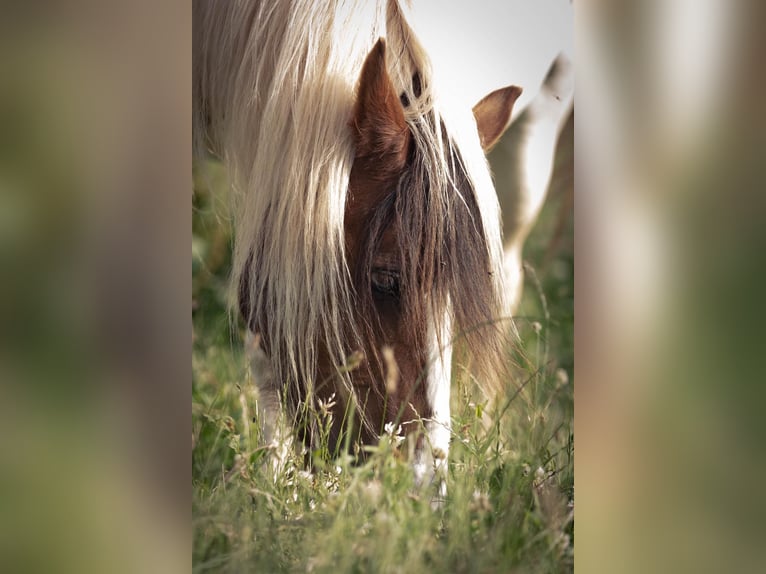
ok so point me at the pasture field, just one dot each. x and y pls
(510, 500)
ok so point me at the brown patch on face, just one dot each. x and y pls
(383, 145)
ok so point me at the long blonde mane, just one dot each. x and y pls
(274, 86)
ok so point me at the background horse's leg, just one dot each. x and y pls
(522, 162)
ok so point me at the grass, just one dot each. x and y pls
(510, 497)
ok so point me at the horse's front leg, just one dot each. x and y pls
(277, 437)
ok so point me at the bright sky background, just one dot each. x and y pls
(494, 43)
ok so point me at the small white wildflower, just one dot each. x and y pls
(562, 378)
(394, 435)
(325, 407)
(540, 476)
(537, 327)
(305, 474)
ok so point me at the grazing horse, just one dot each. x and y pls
(367, 229)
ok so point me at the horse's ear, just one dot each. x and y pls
(493, 114)
(380, 130)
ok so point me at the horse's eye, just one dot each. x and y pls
(385, 282)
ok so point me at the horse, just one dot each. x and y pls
(368, 233)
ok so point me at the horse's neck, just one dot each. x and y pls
(523, 159)
(523, 165)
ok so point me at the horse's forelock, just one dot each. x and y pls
(445, 252)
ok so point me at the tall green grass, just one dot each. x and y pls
(510, 494)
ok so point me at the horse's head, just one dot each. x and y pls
(417, 251)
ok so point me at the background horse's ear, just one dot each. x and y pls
(493, 114)
(380, 130)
